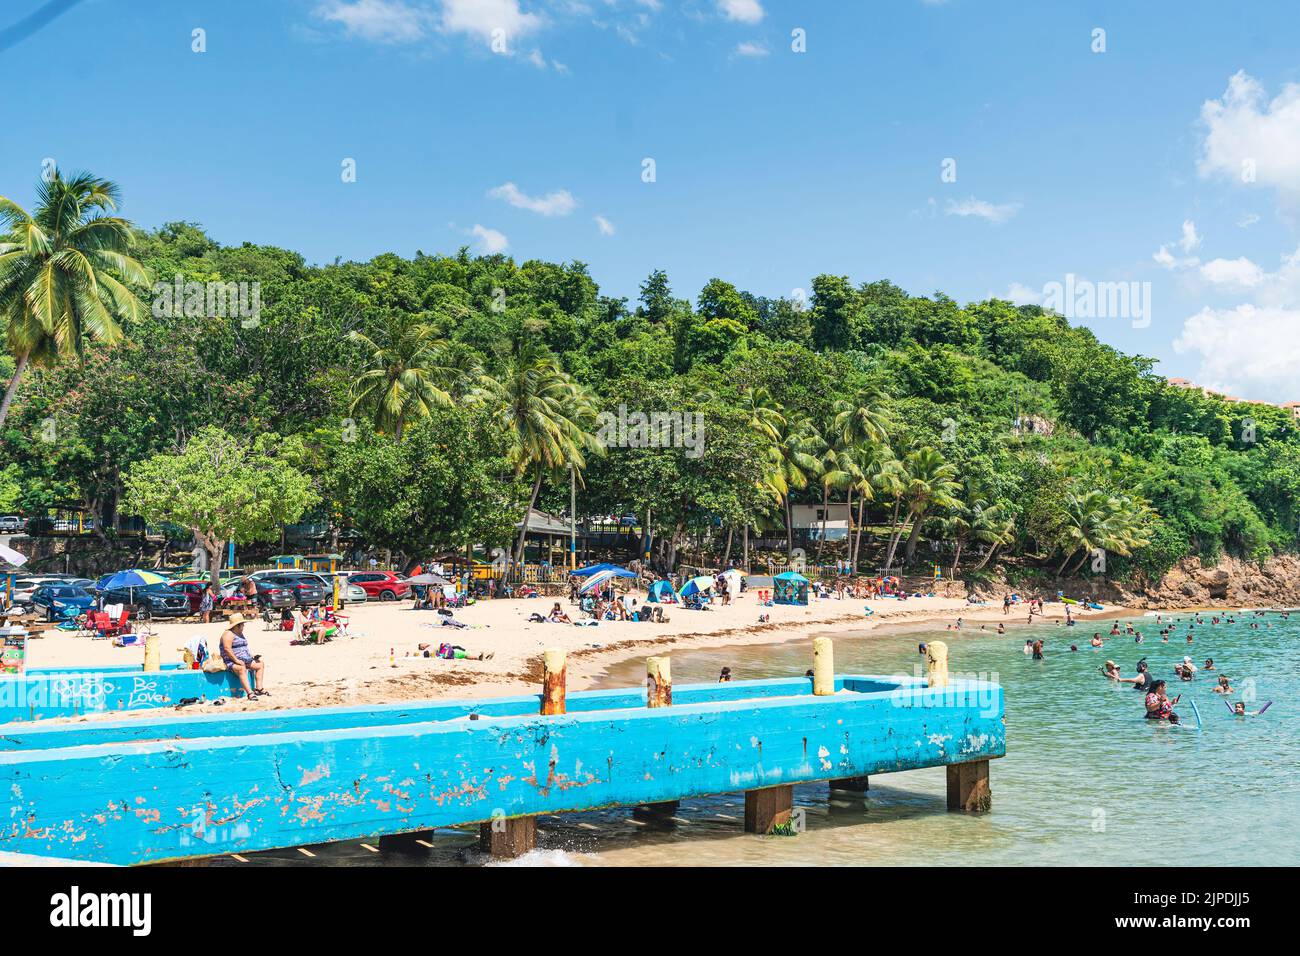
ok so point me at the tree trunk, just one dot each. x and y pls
(523, 530)
(789, 532)
(956, 560)
(826, 507)
(857, 537)
(726, 554)
(1064, 563)
(746, 547)
(12, 389)
(894, 535)
(913, 538)
(987, 558)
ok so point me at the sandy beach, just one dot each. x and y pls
(381, 661)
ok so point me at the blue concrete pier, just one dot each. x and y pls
(165, 788)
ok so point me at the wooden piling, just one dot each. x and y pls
(658, 682)
(505, 838)
(554, 673)
(936, 664)
(968, 787)
(823, 667)
(769, 808)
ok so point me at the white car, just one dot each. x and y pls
(12, 524)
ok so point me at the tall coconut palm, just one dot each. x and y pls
(835, 470)
(875, 471)
(1097, 521)
(929, 483)
(65, 273)
(862, 426)
(407, 373)
(546, 416)
(993, 527)
(794, 464)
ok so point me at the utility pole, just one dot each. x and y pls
(573, 519)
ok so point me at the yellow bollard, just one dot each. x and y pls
(936, 660)
(823, 667)
(151, 652)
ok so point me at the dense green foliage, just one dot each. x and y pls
(433, 396)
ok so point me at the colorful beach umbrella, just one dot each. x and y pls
(134, 578)
(596, 580)
(697, 585)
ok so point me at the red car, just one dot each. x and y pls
(384, 585)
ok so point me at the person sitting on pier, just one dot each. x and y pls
(239, 660)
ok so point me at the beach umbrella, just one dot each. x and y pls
(697, 585)
(596, 580)
(132, 579)
(428, 578)
(733, 580)
(590, 569)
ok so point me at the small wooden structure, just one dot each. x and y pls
(169, 788)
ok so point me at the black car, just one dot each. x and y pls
(306, 588)
(275, 593)
(153, 600)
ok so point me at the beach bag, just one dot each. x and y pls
(214, 665)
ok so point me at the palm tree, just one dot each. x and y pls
(407, 373)
(835, 469)
(546, 416)
(994, 528)
(794, 463)
(862, 426)
(1097, 521)
(875, 472)
(928, 483)
(64, 273)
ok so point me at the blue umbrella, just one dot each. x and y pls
(619, 572)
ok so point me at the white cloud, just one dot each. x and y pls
(1248, 350)
(1240, 273)
(604, 225)
(479, 18)
(993, 212)
(1248, 220)
(1242, 130)
(750, 49)
(490, 240)
(1189, 240)
(558, 203)
(380, 21)
(742, 11)
(1021, 294)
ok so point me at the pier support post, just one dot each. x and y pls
(554, 674)
(151, 653)
(658, 693)
(769, 808)
(505, 838)
(968, 787)
(823, 667)
(851, 784)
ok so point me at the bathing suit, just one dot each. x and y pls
(239, 650)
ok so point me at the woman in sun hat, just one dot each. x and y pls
(239, 660)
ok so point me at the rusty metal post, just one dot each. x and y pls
(659, 682)
(554, 672)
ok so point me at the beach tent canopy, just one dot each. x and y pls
(791, 588)
(619, 571)
(661, 592)
(697, 585)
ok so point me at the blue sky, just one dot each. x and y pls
(771, 165)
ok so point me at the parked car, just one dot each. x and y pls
(12, 524)
(25, 588)
(384, 585)
(307, 589)
(153, 600)
(54, 599)
(349, 593)
(275, 594)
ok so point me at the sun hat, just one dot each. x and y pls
(236, 619)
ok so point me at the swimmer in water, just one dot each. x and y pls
(1224, 686)
(1029, 646)
(1209, 663)
(1111, 670)
(1097, 641)
(1158, 704)
(1239, 709)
